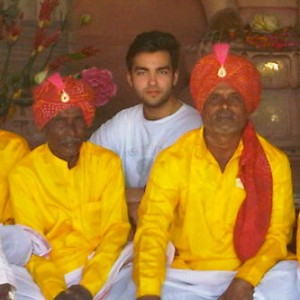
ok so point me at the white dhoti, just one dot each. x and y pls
(279, 283)
(26, 288)
(16, 244)
(19, 242)
(298, 277)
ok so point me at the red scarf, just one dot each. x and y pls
(254, 215)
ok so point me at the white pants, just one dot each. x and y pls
(28, 290)
(26, 287)
(280, 283)
(16, 244)
(298, 281)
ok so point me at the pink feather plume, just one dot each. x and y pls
(221, 50)
(57, 80)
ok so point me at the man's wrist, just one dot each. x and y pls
(11, 295)
(7, 291)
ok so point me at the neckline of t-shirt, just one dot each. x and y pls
(167, 118)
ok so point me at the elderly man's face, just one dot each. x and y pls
(224, 111)
(65, 134)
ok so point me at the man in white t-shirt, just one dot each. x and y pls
(138, 133)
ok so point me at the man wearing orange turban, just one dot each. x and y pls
(70, 193)
(222, 196)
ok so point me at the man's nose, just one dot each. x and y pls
(71, 128)
(225, 103)
(152, 79)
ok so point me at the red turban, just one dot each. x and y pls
(56, 94)
(241, 75)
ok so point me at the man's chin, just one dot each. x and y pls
(73, 151)
(227, 128)
(154, 103)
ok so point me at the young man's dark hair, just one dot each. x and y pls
(153, 41)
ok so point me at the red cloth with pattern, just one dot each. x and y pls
(254, 215)
(253, 219)
(48, 103)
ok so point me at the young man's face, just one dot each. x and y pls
(153, 78)
(224, 111)
(65, 133)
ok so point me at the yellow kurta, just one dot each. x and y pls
(189, 201)
(298, 239)
(12, 148)
(78, 210)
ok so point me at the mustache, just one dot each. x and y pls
(71, 140)
(224, 113)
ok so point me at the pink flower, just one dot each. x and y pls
(101, 80)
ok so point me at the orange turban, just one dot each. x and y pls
(241, 75)
(56, 94)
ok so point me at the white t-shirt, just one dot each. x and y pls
(137, 140)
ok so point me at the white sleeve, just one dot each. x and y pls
(6, 274)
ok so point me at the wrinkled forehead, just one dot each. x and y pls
(73, 111)
(223, 87)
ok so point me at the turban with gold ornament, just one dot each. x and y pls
(56, 94)
(253, 218)
(221, 66)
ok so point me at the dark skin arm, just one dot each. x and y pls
(239, 289)
(5, 288)
(75, 292)
(134, 196)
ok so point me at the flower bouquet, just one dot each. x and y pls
(16, 81)
(265, 32)
(101, 80)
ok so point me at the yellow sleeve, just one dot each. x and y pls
(21, 149)
(115, 230)
(280, 231)
(155, 216)
(44, 271)
(46, 275)
(16, 149)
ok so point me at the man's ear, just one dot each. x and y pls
(175, 79)
(129, 79)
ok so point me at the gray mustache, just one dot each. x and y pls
(71, 141)
(224, 113)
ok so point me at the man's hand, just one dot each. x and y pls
(5, 288)
(75, 292)
(150, 297)
(133, 196)
(239, 289)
